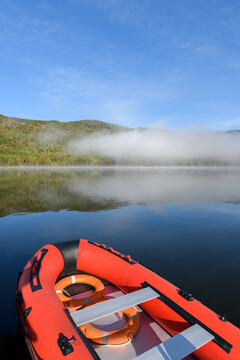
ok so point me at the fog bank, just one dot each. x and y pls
(162, 147)
(160, 186)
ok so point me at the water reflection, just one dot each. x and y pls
(164, 186)
(196, 250)
(103, 189)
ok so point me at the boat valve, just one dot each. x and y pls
(185, 295)
(65, 344)
(223, 318)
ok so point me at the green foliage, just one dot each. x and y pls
(35, 142)
(49, 190)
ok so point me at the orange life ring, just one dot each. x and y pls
(74, 303)
(114, 337)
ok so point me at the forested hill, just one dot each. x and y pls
(36, 142)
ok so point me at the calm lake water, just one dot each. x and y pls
(182, 223)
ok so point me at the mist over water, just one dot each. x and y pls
(83, 189)
(161, 186)
(158, 147)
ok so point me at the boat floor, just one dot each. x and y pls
(149, 335)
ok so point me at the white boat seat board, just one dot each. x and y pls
(179, 345)
(97, 311)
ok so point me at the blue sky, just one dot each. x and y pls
(167, 63)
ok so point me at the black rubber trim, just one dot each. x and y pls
(35, 269)
(126, 258)
(19, 275)
(34, 355)
(222, 343)
(83, 337)
(27, 312)
(69, 251)
(18, 293)
(19, 297)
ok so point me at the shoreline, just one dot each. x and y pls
(118, 167)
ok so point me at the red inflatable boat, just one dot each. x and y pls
(83, 300)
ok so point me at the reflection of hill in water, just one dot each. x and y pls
(95, 189)
(39, 191)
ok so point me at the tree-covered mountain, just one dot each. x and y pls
(36, 142)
